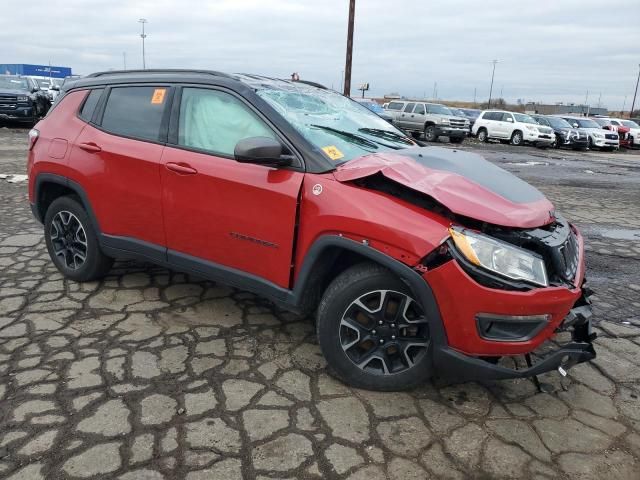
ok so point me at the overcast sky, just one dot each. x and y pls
(548, 50)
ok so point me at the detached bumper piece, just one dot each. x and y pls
(578, 350)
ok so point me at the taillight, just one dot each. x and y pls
(33, 137)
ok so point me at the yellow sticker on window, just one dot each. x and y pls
(158, 96)
(332, 152)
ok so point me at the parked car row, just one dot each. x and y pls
(22, 99)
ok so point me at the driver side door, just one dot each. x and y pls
(219, 212)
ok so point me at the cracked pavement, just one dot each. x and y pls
(153, 374)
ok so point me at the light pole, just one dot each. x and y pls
(491, 88)
(633, 104)
(347, 67)
(143, 36)
(124, 60)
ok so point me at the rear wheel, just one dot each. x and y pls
(72, 242)
(430, 133)
(556, 142)
(372, 332)
(516, 138)
(482, 135)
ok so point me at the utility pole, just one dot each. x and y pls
(599, 98)
(124, 60)
(143, 36)
(435, 91)
(347, 67)
(492, 75)
(633, 104)
(475, 89)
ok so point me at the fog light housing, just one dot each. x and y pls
(510, 328)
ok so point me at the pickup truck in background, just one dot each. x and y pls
(430, 119)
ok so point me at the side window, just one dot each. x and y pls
(135, 111)
(487, 116)
(395, 106)
(409, 107)
(615, 122)
(89, 106)
(506, 117)
(216, 121)
(419, 109)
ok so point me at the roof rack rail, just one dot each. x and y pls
(159, 70)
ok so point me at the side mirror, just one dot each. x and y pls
(575, 125)
(262, 151)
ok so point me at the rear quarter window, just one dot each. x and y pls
(89, 105)
(135, 111)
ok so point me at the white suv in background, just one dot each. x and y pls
(634, 130)
(516, 128)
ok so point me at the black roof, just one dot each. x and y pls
(171, 75)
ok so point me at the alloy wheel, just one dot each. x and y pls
(69, 239)
(384, 332)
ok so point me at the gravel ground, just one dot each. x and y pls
(152, 374)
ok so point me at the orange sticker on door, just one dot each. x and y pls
(158, 96)
(332, 152)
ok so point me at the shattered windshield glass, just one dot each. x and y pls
(342, 128)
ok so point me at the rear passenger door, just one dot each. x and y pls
(117, 160)
(505, 125)
(418, 117)
(404, 117)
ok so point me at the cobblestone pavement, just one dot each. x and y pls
(151, 374)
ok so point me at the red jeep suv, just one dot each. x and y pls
(416, 260)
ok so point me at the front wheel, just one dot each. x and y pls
(482, 135)
(430, 133)
(72, 242)
(372, 332)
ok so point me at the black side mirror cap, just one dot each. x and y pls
(262, 151)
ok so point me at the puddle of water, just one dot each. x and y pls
(620, 234)
(528, 164)
(13, 177)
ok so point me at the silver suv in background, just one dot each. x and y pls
(431, 119)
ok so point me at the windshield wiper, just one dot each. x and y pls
(386, 134)
(351, 136)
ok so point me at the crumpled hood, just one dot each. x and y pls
(464, 182)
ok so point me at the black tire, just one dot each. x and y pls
(556, 142)
(483, 135)
(517, 138)
(456, 139)
(410, 365)
(65, 249)
(590, 147)
(430, 133)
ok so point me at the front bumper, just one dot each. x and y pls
(466, 352)
(605, 143)
(445, 131)
(539, 138)
(20, 113)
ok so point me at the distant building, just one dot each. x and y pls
(566, 109)
(35, 70)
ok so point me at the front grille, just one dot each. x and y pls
(569, 256)
(456, 123)
(8, 102)
(610, 136)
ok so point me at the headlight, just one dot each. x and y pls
(500, 257)
(598, 135)
(531, 127)
(22, 98)
(444, 121)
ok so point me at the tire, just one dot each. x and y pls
(430, 133)
(358, 362)
(517, 138)
(70, 236)
(456, 139)
(590, 147)
(555, 143)
(482, 135)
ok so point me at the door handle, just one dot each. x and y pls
(181, 169)
(90, 147)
